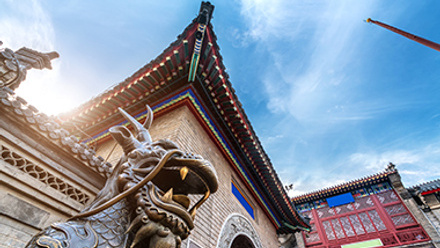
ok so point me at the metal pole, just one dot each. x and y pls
(415, 38)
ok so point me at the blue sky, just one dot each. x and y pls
(331, 97)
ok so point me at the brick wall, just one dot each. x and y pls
(182, 127)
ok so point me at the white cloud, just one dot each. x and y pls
(310, 44)
(300, 187)
(414, 165)
(410, 173)
(374, 161)
(27, 24)
(274, 19)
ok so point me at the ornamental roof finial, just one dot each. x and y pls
(391, 168)
(205, 13)
(202, 22)
(13, 65)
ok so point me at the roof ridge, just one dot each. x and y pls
(386, 171)
(425, 183)
(53, 131)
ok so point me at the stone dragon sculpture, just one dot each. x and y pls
(145, 202)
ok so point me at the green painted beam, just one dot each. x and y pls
(177, 55)
(151, 79)
(145, 83)
(165, 69)
(158, 74)
(140, 85)
(170, 63)
(211, 63)
(214, 72)
(207, 50)
(185, 45)
(365, 244)
(217, 80)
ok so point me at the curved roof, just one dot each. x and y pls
(49, 128)
(426, 187)
(193, 59)
(346, 187)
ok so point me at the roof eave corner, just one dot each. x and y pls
(289, 228)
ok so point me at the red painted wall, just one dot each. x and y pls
(382, 215)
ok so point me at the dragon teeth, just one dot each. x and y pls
(183, 173)
(168, 197)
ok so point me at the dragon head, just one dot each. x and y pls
(149, 200)
(163, 180)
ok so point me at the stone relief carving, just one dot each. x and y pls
(145, 202)
(236, 225)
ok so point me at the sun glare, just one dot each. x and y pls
(43, 90)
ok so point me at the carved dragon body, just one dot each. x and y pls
(145, 201)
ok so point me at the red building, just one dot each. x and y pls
(375, 211)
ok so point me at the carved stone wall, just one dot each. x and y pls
(33, 195)
(235, 226)
(42, 175)
(45, 175)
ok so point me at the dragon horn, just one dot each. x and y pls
(149, 119)
(124, 138)
(142, 133)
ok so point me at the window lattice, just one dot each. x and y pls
(387, 197)
(356, 224)
(312, 237)
(364, 202)
(403, 219)
(325, 212)
(347, 227)
(395, 209)
(42, 175)
(343, 209)
(377, 220)
(338, 229)
(328, 230)
(367, 222)
(361, 220)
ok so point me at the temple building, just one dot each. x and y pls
(427, 197)
(375, 211)
(52, 168)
